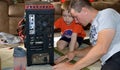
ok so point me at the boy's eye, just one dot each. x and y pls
(67, 16)
(64, 16)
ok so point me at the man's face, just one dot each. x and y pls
(80, 17)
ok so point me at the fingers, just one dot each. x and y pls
(60, 59)
(68, 60)
(59, 66)
(62, 66)
(56, 67)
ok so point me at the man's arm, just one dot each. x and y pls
(82, 52)
(104, 40)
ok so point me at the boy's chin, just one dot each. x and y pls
(68, 23)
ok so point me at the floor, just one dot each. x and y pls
(7, 61)
(6, 55)
(40, 67)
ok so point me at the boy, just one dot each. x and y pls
(72, 33)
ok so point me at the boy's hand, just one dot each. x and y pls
(70, 56)
(60, 59)
(66, 58)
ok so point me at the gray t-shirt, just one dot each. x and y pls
(106, 19)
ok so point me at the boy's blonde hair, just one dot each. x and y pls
(65, 5)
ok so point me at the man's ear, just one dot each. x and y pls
(84, 10)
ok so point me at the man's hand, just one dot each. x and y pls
(63, 66)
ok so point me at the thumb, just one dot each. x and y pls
(68, 60)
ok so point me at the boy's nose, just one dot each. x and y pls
(76, 20)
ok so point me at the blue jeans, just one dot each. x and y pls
(113, 63)
(79, 39)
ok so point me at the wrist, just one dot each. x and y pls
(75, 53)
(71, 50)
(75, 67)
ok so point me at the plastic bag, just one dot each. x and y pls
(6, 38)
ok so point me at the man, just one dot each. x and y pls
(104, 37)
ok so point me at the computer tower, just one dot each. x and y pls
(39, 33)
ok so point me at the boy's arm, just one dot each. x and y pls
(80, 53)
(72, 42)
(70, 54)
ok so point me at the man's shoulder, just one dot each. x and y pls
(108, 11)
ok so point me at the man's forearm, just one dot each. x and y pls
(93, 55)
(82, 52)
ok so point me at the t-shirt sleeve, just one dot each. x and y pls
(58, 22)
(107, 21)
(79, 30)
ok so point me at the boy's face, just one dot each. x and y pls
(67, 17)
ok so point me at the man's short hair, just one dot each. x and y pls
(78, 4)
